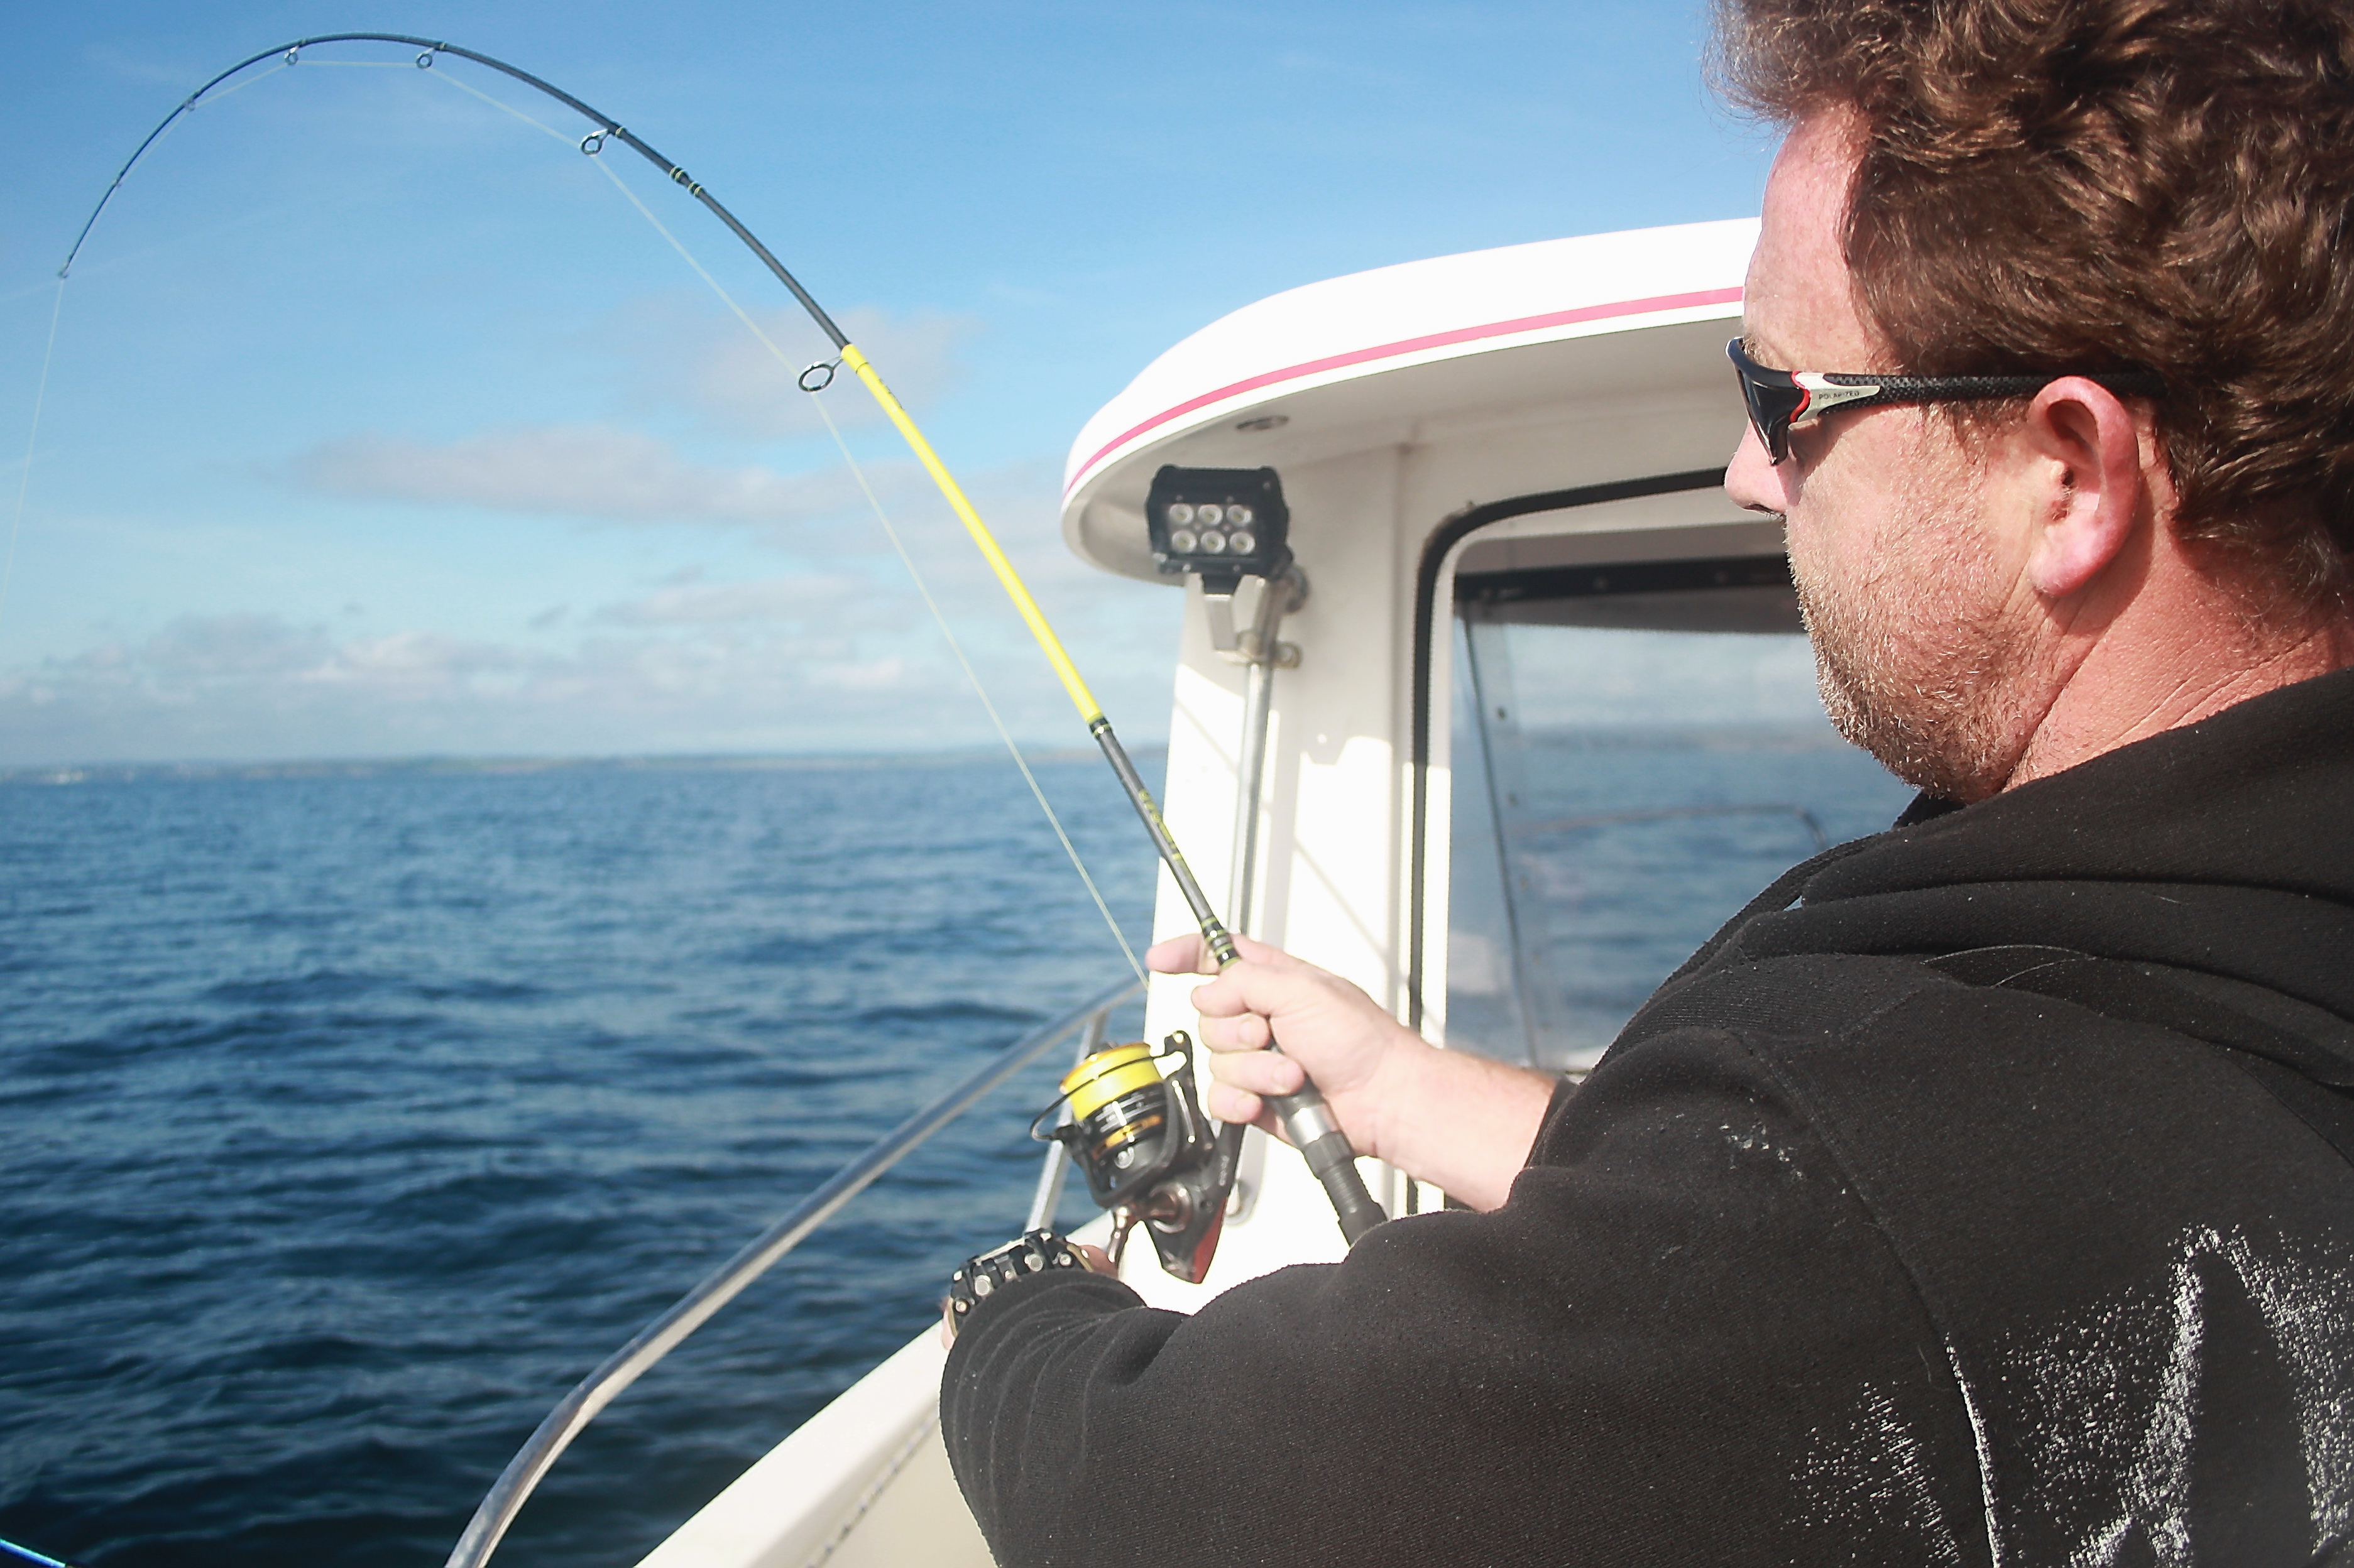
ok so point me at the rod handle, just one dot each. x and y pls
(1309, 1123)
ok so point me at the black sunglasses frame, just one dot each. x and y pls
(1780, 401)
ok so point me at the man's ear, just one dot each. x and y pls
(2085, 453)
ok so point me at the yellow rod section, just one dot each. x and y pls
(1089, 709)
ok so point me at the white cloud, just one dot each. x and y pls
(411, 657)
(782, 664)
(874, 675)
(677, 358)
(623, 475)
(599, 471)
(837, 654)
(695, 603)
(203, 647)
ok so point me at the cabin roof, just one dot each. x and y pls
(1363, 352)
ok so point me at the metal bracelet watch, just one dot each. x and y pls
(1034, 1252)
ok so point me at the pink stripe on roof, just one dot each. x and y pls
(1408, 346)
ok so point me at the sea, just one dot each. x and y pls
(353, 1113)
(352, 1116)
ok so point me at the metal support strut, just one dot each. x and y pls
(1261, 653)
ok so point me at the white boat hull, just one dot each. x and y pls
(864, 1483)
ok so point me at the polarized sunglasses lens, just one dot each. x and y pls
(1772, 396)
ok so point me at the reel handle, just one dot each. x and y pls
(1309, 1123)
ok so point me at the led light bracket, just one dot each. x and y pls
(1221, 525)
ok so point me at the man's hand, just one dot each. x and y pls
(1461, 1121)
(1330, 1030)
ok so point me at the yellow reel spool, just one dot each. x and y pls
(1105, 1076)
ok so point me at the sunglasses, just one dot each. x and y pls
(1783, 400)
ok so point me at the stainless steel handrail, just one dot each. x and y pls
(1048, 1194)
(659, 1338)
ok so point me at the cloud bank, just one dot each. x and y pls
(598, 473)
(829, 650)
(793, 662)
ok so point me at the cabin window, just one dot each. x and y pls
(1637, 752)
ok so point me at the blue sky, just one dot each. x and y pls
(380, 425)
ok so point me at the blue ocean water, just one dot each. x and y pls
(1625, 849)
(351, 1119)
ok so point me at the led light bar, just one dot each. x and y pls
(1221, 525)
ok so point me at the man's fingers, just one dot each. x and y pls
(1224, 1029)
(1186, 955)
(1258, 1072)
(1232, 1105)
(1257, 952)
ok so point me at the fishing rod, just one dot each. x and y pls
(1306, 1120)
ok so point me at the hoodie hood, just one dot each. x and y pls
(2224, 848)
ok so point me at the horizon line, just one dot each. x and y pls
(448, 762)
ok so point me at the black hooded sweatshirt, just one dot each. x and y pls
(1979, 1195)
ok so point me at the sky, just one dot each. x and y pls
(379, 424)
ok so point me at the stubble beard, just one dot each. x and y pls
(1913, 658)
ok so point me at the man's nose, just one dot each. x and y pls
(1752, 481)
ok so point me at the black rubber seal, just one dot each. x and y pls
(1435, 550)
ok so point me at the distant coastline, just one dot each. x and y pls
(412, 766)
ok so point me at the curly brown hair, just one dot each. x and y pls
(2094, 185)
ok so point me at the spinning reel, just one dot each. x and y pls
(1147, 1151)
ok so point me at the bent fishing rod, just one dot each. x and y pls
(1306, 1120)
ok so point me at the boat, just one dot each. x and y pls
(1533, 701)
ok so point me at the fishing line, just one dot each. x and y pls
(32, 437)
(48, 353)
(446, 79)
(977, 689)
(890, 531)
(265, 76)
(57, 309)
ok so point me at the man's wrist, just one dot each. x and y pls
(1406, 1075)
(1463, 1122)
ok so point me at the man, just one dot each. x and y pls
(1981, 1194)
